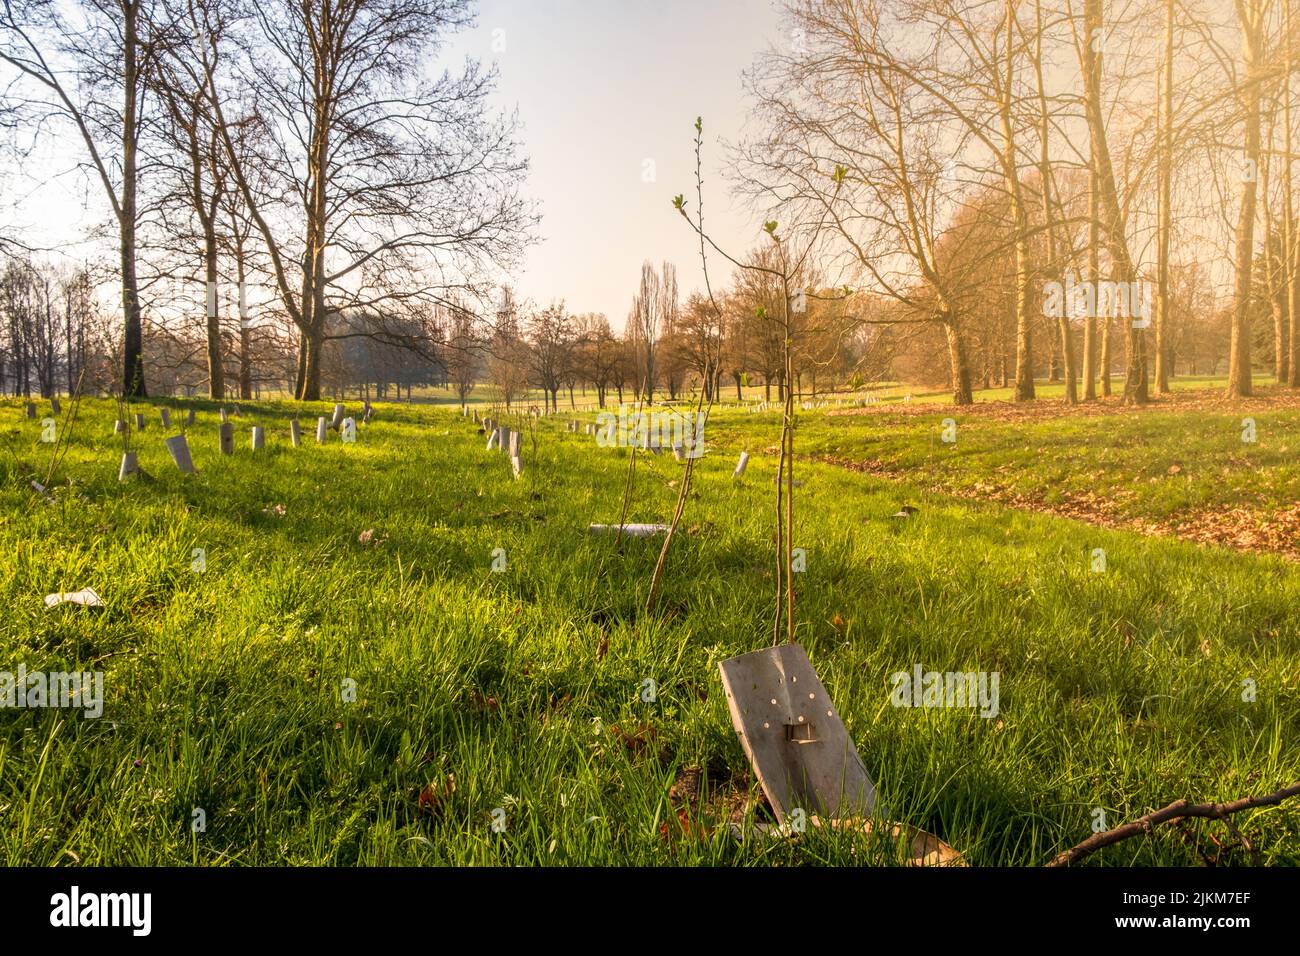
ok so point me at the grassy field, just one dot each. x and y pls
(499, 717)
(1191, 464)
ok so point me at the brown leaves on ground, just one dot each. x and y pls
(1243, 529)
(697, 808)
(640, 740)
(680, 826)
(435, 795)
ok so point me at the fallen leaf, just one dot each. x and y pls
(434, 796)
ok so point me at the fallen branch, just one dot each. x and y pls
(1178, 810)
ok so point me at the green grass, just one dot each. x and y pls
(1120, 691)
(1161, 462)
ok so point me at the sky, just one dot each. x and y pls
(607, 93)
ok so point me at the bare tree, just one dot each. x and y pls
(551, 340)
(408, 188)
(1251, 16)
(653, 305)
(89, 64)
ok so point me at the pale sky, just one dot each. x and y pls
(604, 87)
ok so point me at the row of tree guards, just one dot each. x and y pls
(179, 448)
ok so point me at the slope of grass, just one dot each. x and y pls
(1156, 463)
(522, 691)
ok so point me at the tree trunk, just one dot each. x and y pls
(1020, 222)
(1165, 203)
(1106, 359)
(216, 370)
(959, 367)
(133, 384)
(1135, 381)
(311, 344)
(1239, 370)
(245, 363)
(1090, 343)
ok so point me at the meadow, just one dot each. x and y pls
(350, 676)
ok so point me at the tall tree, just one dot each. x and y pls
(1251, 15)
(1164, 186)
(407, 186)
(1112, 222)
(89, 63)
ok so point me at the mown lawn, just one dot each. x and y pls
(516, 698)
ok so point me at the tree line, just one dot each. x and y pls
(965, 160)
(669, 347)
(298, 148)
(1096, 192)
